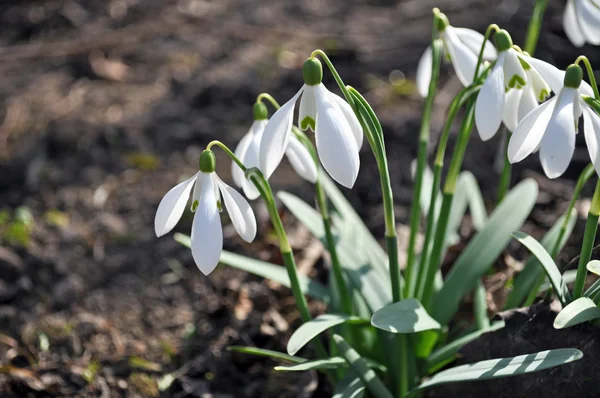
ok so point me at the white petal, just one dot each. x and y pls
(529, 132)
(171, 206)
(336, 145)
(207, 234)
(558, 143)
(527, 103)
(589, 20)
(591, 128)
(308, 107)
(197, 193)
(239, 210)
(346, 109)
(301, 160)
(275, 137)
(571, 25)
(489, 107)
(240, 151)
(252, 159)
(514, 74)
(540, 88)
(424, 69)
(512, 100)
(550, 73)
(463, 59)
(473, 40)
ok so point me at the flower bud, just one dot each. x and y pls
(259, 111)
(573, 76)
(503, 40)
(208, 161)
(312, 71)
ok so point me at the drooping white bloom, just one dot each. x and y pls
(338, 132)
(207, 234)
(581, 21)
(248, 152)
(513, 88)
(552, 127)
(462, 47)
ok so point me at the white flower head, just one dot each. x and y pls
(552, 127)
(513, 88)
(337, 130)
(461, 47)
(207, 233)
(581, 21)
(248, 150)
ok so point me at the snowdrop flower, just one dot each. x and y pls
(462, 47)
(552, 126)
(337, 130)
(249, 146)
(207, 233)
(511, 72)
(582, 22)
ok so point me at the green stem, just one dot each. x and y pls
(415, 213)
(488, 32)
(590, 73)
(449, 189)
(535, 25)
(589, 236)
(585, 175)
(504, 183)
(269, 98)
(228, 152)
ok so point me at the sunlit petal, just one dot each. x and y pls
(511, 109)
(336, 145)
(424, 68)
(527, 103)
(301, 160)
(276, 136)
(550, 73)
(350, 116)
(571, 25)
(463, 59)
(529, 132)
(207, 233)
(308, 108)
(172, 206)
(589, 20)
(514, 74)
(252, 159)
(240, 151)
(489, 107)
(473, 40)
(537, 84)
(591, 128)
(558, 143)
(239, 210)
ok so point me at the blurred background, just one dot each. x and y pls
(105, 105)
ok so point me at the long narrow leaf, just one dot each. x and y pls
(484, 249)
(266, 270)
(559, 286)
(317, 364)
(313, 328)
(308, 216)
(504, 367)
(581, 310)
(349, 387)
(526, 279)
(406, 316)
(261, 352)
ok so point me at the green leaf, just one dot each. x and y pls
(448, 352)
(504, 367)
(308, 216)
(559, 286)
(317, 364)
(468, 187)
(594, 267)
(312, 329)
(526, 279)
(484, 249)
(349, 387)
(261, 352)
(361, 368)
(568, 277)
(406, 316)
(266, 270)
(581, 310)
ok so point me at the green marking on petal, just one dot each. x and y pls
(543, 95)
(307, 122)
(194, 205)
(219, 206)
(524, 63)
(516, 82)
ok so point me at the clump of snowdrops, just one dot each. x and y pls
(390, 328)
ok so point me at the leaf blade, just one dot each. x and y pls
(581, 310)
(406, 316)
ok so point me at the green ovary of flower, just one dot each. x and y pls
(573, 76)
(312, 71)
(208, 161)
(503, 40)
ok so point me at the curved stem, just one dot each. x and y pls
(492, 28)
(269, 98)
(228, 152)
(590, 72)
(535, 25)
